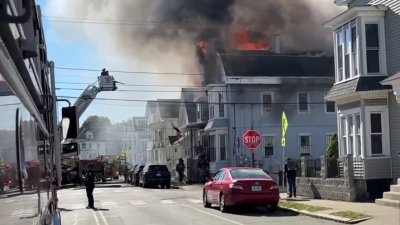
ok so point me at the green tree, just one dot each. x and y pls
(333, 151)
(95, 124)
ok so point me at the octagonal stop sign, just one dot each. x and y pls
(252, 139)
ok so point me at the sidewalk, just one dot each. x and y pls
(376, 214)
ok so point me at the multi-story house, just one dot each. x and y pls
(191, 122)
(367, 57)
(256, 88)
(138, 140)
(161, 114)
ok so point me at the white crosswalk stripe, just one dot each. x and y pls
(137, 202)
(167, 202)
(195, 201)
(108, 204)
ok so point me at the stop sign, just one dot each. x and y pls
(252, 139)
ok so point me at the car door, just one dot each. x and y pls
(214, 188)
(219, 185)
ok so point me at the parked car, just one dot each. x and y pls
(154, 175)
(237, 186)
(136, 173)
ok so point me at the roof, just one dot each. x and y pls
(395, 77)
(392, 4)
(363, 83)
(282, 65)
(217, 123)
(188, 97)
(169, 108)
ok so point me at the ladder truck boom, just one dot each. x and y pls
(105, 82)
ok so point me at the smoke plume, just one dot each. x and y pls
(162, 34)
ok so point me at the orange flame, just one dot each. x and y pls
(243, 41)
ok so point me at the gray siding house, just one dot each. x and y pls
(256, 88)
(367, 58)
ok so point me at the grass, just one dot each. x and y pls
(300, 206)
(350, 215)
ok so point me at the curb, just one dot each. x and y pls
(326, 216)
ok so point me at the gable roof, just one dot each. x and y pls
(257, 64)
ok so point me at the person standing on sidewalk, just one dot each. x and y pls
(89, 183)
(180, 168)
(291, 170)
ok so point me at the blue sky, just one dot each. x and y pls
(79, 51)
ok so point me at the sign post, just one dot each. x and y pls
(252, 140)
(285, 125)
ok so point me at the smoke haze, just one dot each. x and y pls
(161, 35)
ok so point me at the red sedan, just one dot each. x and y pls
(241, 186)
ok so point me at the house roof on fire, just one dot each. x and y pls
(272, 64)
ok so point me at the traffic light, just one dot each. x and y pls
(70, 113)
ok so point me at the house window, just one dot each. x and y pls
(358, 135)
(372, 48)
(267, 102)
(198, 111)
(343, 133)
(303, 102)
(347, 51)
(304, 144)
(328, 140)
(268, 142)
(83, 145)
(90, 145)
(221, 105)
(222, 147)
(350, 131)
(376, 133)
(330, 106)
(212, 153)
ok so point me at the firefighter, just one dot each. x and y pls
(89, 183)
(180, 168)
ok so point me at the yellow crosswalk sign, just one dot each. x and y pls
(285, 124)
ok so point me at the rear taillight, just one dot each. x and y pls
(236, 186)
(274, 187)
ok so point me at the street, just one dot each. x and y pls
(133, 205)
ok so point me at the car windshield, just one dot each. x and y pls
(158, 168)
(248, 174)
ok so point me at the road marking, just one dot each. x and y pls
(167, 202)
(103, 218)
(137, 202)
(110, 204)
(210, 214)
(95, 218)
(196, 201)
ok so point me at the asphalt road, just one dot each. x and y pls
(132, 205)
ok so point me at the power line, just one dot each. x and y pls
(141, 85)
(192, 102)
(129, 72)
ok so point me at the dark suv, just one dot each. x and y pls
(154, 175)
(136, 173)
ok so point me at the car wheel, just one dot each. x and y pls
(222, 205)
(206, 204)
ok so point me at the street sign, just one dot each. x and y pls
(252, 139)
(285, 125)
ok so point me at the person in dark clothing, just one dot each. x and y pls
(89, 183)
(180, 168)
(290, 170)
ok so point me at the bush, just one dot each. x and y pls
(333, 151)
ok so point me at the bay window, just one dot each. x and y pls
(377, 130)
(347, 57)
(222, 147)
(372, 47)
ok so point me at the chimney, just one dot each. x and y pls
(276, 44)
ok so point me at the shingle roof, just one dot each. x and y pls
(392, 4)
(392, 78)
(270, 64)
(364, 83)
